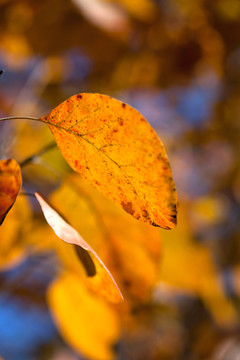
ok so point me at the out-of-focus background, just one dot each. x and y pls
(178, 63)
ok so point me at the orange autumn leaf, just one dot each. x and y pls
(10, 184)
(115, 149)
(94, 266)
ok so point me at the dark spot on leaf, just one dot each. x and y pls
(127, 206)
(145, 214)
(8, 161)
(97, 183)
(120, 122)
(174, 218)
(79, 96)
(154, 224)
(123, 105)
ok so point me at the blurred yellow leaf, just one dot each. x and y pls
(86, 322)
(45, 163)
(137, 70)
(16, 49)
(26, 132)
(188, 265)
(207, 210)
(10, 184)
(114, 148)
(12, 234)
(122, 242)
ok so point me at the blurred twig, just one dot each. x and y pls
(39, 153)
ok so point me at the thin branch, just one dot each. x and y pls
(21, 117)
(41, 152)
(23, 193)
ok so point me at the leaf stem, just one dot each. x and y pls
(21, 117)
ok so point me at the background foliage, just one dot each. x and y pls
(177, 62)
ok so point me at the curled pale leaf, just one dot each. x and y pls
(10, 184)
(103, 282)
(115, 149)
